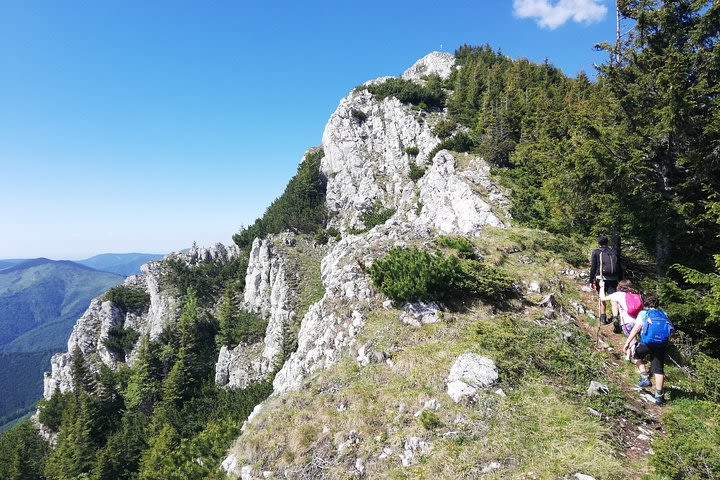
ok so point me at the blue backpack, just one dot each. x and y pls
(656, 327)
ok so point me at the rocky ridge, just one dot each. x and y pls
(91, 330)
(367, 165)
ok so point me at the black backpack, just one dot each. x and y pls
(609, 261)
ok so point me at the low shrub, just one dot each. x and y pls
(333, 232)
(412, 151)
(429, 96)
(121, 340)
(358, 115)
(376, 215)
(460, 142)
(410, 274)
(708, 374)
(444, 129)
(416, 172)
(429, 420)
(128, 298)
(689, 448)
(321, 237)
(462, 245)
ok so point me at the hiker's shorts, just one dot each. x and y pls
(610, 286)
(658, 356)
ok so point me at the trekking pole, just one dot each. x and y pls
(600, 302)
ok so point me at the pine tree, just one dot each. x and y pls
(665, 81)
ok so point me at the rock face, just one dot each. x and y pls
(367, 166)
(438, 63)
(267, 293)
(365, 161)
(91, 330)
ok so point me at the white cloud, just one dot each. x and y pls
(552, 15)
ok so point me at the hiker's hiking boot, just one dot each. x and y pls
(644, 381)
(617, 328)
(603, 319)
(658, 397)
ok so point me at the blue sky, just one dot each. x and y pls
(145, 126)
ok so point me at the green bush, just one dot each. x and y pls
(121, 340)
(462, 245)
(708, 374)
(301, 208)
(333, 232)
(412, 151)
(444, 128)
(429, 420)
(410, 274)
(376, 215)
(128, 298)
(321, 237)
(430, 95)
(358, 115)
(689, 448)
(460, 142)
(416, 171)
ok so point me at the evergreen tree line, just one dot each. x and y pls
(162, 418)
(636, 153)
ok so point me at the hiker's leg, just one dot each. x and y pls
(640, 352)
(658, 366)
(640, 365)
(659, 382)
(615, 309)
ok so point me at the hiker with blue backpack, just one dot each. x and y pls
(655, 330)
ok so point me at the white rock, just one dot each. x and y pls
(386, 452)
(246, 472)
(582, 476)
(450, 205)
(439, 63)
(359, 466)
(597, 388)
(469, 373)
(420, 313)
(534, 287)
(413, 446)
(230, 464)
(494, 465)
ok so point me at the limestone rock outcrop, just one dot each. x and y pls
(367, 166)
(91, 330)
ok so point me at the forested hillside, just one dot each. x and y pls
(40, 300)
(361, 388)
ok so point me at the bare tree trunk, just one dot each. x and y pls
(662, 250)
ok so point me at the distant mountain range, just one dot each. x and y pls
(40, 300)
(120, 263)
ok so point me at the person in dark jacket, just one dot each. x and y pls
(610, 273)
